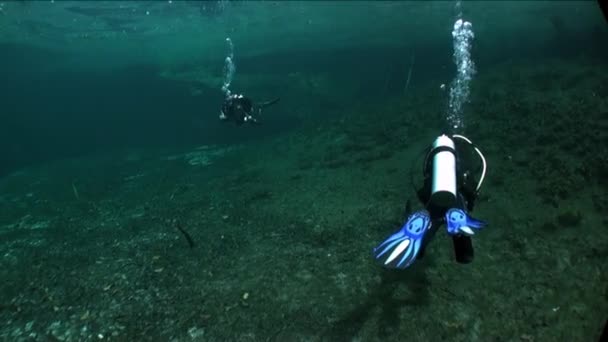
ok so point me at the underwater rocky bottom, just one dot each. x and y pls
(272, 240)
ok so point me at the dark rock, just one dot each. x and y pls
(569, 219)
(549, 227)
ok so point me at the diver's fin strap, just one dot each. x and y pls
(457, 222)
(401, 248)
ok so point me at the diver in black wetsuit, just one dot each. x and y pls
(241, 109)
(237, 107)
(466, 194)
(448, 195)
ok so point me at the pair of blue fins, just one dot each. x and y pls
(401, 249)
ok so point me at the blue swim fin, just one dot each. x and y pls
(459, 222)
(401, 248)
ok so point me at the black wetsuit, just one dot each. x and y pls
(241, 109)
(237, 108)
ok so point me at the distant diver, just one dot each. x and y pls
(237, 107)
(448, 195)
(240, 109)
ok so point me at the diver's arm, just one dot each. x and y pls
(265, 104)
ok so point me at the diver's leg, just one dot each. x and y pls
(463, 248)
(463, 245)
(428, 237)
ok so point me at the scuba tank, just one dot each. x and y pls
(443, 176)
(440, 170)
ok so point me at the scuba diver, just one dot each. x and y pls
(448, 195)
(236, 107)
(241, 109)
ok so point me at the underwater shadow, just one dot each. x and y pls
(385, 299)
